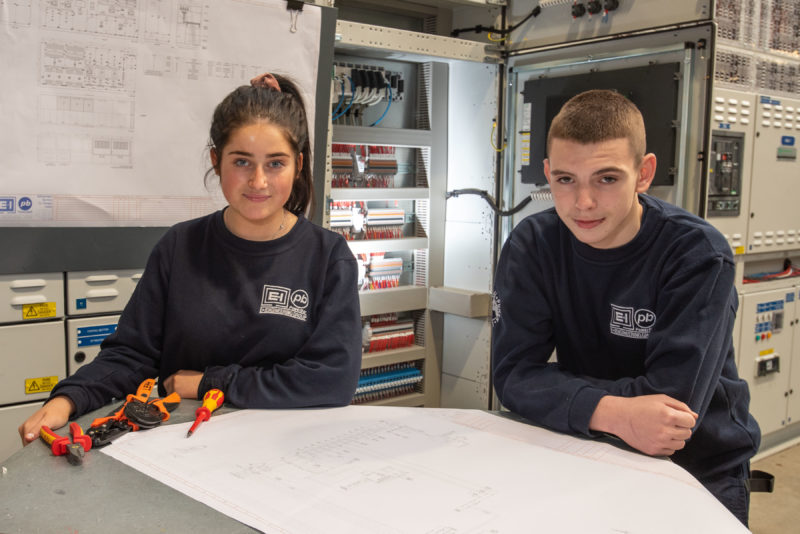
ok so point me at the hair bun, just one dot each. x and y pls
(266, 80)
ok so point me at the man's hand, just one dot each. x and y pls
(184, 382)
(657, 425)
(55, 414)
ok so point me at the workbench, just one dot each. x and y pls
(43, 493)
(353, 469)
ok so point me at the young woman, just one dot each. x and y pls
(254, 300)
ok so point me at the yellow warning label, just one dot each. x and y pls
(739, 250)
(43, 384)
(38, 311)
(765, 352)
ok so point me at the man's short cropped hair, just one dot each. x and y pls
(600, 115)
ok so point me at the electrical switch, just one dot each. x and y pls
(594, 7)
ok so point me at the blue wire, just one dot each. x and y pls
(341, 98)
(388, 105)
(353, 93)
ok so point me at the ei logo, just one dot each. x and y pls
(644, 318)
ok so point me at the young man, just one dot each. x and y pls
(637, 298)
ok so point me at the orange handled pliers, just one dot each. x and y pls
(74, 448)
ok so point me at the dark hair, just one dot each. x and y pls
(600, 115)
(285, 109)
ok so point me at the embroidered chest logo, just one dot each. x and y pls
(627, 322)
(279, 300)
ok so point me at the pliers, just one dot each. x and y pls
(74, 449)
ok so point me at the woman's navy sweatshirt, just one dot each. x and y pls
(273, 324)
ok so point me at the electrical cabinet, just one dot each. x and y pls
(33, 360)
(774, 221)
(387, 146)
(93, 292)
(31, 297)
(84, 336)
(768, 360)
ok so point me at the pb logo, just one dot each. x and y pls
(644, 318)
(299, 299)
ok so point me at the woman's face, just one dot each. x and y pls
(257, 169)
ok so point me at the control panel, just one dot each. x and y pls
(767, 360)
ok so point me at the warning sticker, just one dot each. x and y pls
(43, 384)
(40, 310)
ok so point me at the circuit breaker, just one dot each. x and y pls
(767, 360)
(729, 164)
(725, 174)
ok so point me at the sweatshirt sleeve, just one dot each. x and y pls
(133, 352)
(522, 343)
(323, 372)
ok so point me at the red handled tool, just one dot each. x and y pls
(211, 401)
(74, 449)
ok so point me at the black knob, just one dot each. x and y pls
(578, 10)
(80, 356)
(610, 5)
(594, 7)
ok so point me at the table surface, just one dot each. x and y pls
(40, 492)
(43, 493)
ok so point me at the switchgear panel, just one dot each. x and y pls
(774, 218)
(31, 297)
(32, 360)
(766, 357)
(90, 292)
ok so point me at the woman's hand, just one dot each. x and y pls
(55, 414)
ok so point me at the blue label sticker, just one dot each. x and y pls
(724, 126)
(786, 140)
(80, 304)
(94, 335)
(789, 297)
(770, 100)
(7, 204)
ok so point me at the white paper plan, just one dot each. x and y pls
(400, 470)
(107, 105)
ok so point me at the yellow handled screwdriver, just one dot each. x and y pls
(211, 401)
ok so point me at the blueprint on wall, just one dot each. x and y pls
(106, 104)
(412, 470)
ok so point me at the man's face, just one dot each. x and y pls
(594, 188)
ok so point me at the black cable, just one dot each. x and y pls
(488, 198)
(500, 31)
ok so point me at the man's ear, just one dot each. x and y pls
(212, 152)
(546, 163)
(647, 171)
